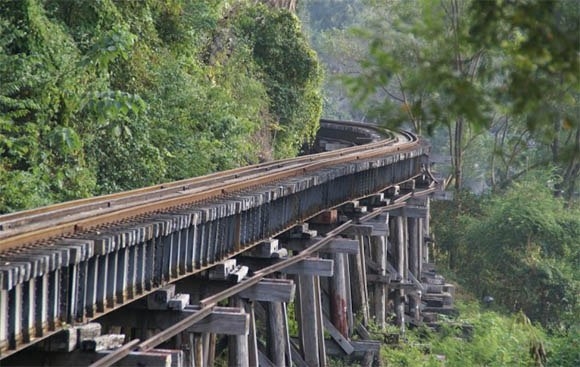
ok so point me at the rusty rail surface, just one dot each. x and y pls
(165, 232)
(65, 219)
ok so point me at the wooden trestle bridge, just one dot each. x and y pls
(223, 266)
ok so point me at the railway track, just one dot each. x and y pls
(62, 255)
(65, 219)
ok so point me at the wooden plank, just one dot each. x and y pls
(359, 303)
(222, 270)
(159, 299)
(402, 286)
(264, 361)
(338, 297)
(276, 335)
(336, 245)
(375, 278)
(309, 333)
(198, 347)
(414, 244)
(410, 212)
(366, 345)
(103, 342)
(253, 357)
(286, 333)
(226, 323)
(177, 356)
(297, 357)
(379, 249)
(307, 266)
(363, 332)
(349, 312)
(342, 246)
(320, 322)
(151, 358)
(338, 337)
(380, 225)
(211, 345)
(401, 269)
(270, 291)
(242, 359)
(238, 274)
(365, 291)
(238, 350)
(359, 230)
(311, 266)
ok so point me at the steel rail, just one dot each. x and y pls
(69, 227)
(157, 192)
(16, 219)
(38, 227)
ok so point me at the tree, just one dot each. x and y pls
(506, 69)
(522, 247)
(429, 72)
(540, 46)
(285, 4)
(327, 24)
(291, 74)
(101, 96)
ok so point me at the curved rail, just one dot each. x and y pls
(42, 224)
(170, 231)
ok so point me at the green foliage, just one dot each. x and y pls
(540, 41)
(564, 348)
(421, 65)
(499, 79)
(38, 108)
(492, 340)
(100, 96)
(291, 74)
(521, 247)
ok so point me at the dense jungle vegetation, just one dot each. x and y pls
(495, 87)
(109, 95)
(104, 96)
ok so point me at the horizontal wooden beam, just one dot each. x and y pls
(154, 357)
(270, 290)
(223, 322)
(311, 266)
(336, 245)
(402, 285)
(380, 225)
(308, 266)
(410, 212)
(359, 230)
(375, 278)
